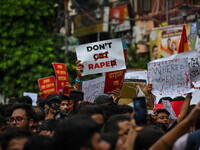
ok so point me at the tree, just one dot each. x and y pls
(28, 45)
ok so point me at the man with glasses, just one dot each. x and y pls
(162, 115)
(22, 116)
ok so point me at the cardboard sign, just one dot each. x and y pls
(93, 88)
(47, 85)
(61, 75)
(169, 78)
(136, 75)
(114, 81)
(33, 96)
(103, 56)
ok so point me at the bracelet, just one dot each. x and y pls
(77, 80)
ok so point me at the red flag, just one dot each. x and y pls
(183, 45)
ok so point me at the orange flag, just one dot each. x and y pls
(183, 45)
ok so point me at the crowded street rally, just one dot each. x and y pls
(100, 75)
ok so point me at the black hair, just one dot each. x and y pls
(111, 139)
(39, 142)
(90, 110)
(162, 111)
(147, 137)
(49, 125)
(125, 109)
(64, 97)
(165, 98)
(179, 98)
(75, 132)
(40, 114)
(25, 99)
(155, 46)
(28, 109)
(111, 126)
(103, 98)
(13, 133)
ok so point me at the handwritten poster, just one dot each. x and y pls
(93, 88)
(100, 57)
(136, 75)
(47, 85)
(61, 75)
(193, 63)
(169, 78)
(114, 81)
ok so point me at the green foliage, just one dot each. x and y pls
(136, 61)
(27, 46)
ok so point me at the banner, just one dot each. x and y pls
(169, 78)
(100, 57)
(47, 85)
(114, 81)
(183, 45)
(93, 88)
(61, 75)
(67, 90)
(165, 41)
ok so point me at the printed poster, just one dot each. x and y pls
(61, 75)
(47, 85)
(102, 56)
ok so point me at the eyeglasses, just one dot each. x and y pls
(17, 119)
(163, 117)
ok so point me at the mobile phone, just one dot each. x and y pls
(76, 95)
(140, 110)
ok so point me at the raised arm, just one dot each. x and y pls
(167, 141)
(79, 70)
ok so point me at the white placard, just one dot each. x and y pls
(33, 96)
(193, 63)
(169, 78)
(102, 56)
(93, 88)
(136, 75)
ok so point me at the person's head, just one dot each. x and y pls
(165, 98)
(39, 142)
(94, 112)
(22, 116)
(103, 98)
(168, 42)
(125, 109)
(25, 99)
(174, 46)
(119, 125)
(39, 113)
(162, 115)
(147, 137)
(114, 141)
(155, 52)
(53, 103)
(64, 102)
(78, 133)
(15, 138)
(47, 127)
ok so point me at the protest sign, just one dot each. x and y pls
(169, 78)
(193, 63)
(100, 57)
(33, 96)
(61, 75)
(136, 75)
(93, 88)
(67, 90)
(47, 85)
(114, 81)
(168, 107)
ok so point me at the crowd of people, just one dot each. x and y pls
(60, 123)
